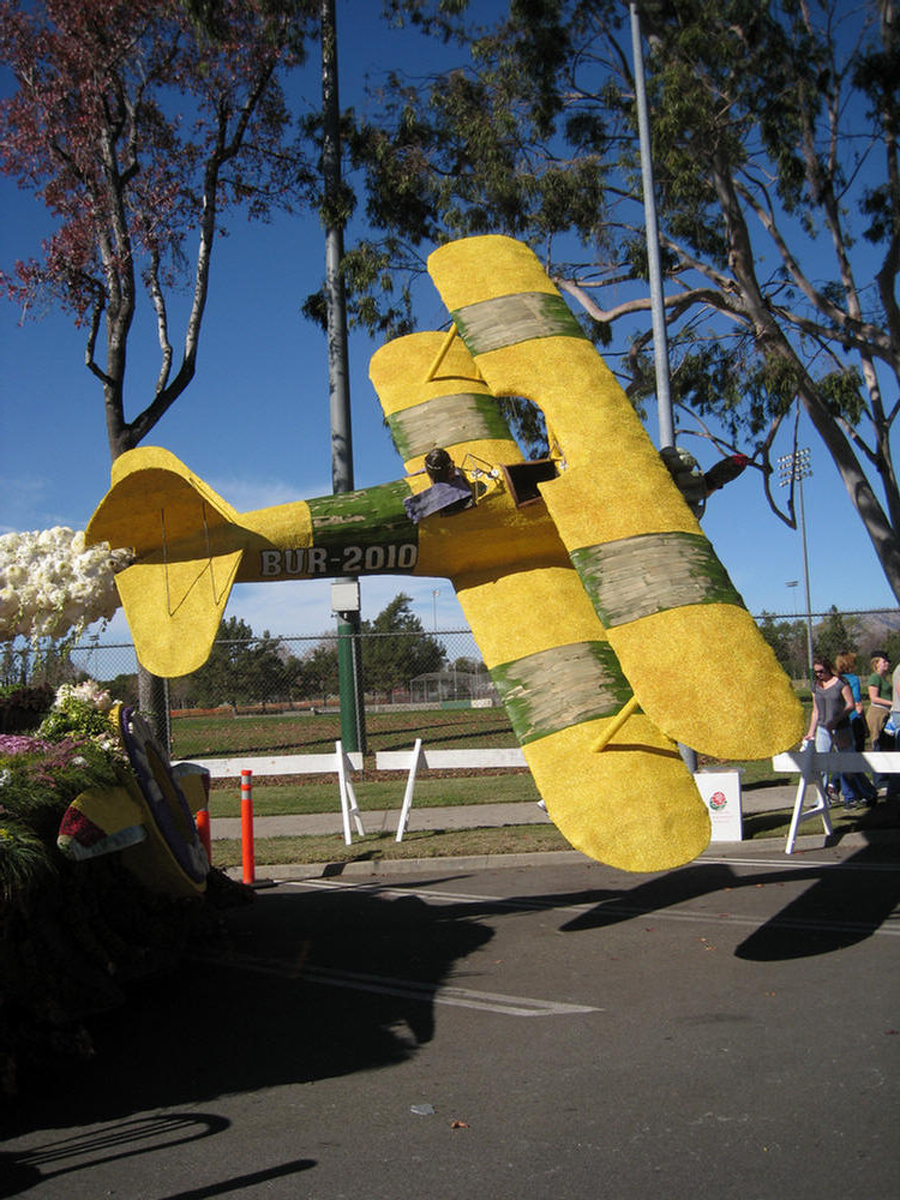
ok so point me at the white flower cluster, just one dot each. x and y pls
(83, 710)
(51, 583)
(90, 692)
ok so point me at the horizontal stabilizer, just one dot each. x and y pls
(154, 500)
(188, 544)
(174, 609)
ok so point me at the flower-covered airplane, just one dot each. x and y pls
(609, 626)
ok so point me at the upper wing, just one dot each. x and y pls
(693, 654)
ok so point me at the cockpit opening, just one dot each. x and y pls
(523, 478)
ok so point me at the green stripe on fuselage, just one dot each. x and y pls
(364, 532)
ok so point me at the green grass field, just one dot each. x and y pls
(307, 733)
(424, 843)
(208, 737)
(223, 736)
(321, 795)
(315, 733)
(509, 839)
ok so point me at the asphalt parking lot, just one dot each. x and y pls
(561, 1029)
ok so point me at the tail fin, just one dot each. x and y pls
(188, 545)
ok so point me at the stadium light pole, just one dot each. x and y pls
(794, 468)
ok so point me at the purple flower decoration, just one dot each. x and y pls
(18, 743)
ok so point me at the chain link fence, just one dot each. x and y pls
(402, 667)
(281, 673)
(261, 679)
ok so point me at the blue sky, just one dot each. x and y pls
(255, 421)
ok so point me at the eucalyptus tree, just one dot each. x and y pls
(774, 139)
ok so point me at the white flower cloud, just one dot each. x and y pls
(51, 583)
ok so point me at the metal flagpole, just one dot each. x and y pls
(657, 307)
(794, 468)
(660, 336)
(345, 592)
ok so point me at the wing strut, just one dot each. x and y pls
(615, 725)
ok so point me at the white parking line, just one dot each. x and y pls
(615, 908)
(798, 864)
(411, 989)
(511, 1006)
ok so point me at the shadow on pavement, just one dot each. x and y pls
(273, 1011)
(845, 904)
(840, 909)
(251, 1020)
(109, 1143)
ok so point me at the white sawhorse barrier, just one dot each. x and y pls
(337, 763)
(440, 760)
(726, 826)
(814, 765)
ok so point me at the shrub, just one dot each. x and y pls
(22, 707)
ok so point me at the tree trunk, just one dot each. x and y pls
(153, 704)
(884, 537)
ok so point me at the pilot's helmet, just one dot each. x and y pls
(439, 465)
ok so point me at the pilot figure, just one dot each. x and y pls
(450, 491)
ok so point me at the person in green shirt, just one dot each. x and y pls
(880, 697)
(880, 701)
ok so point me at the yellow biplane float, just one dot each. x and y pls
(608, 625)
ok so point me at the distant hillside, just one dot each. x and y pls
(878, 625)
(875, 625)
